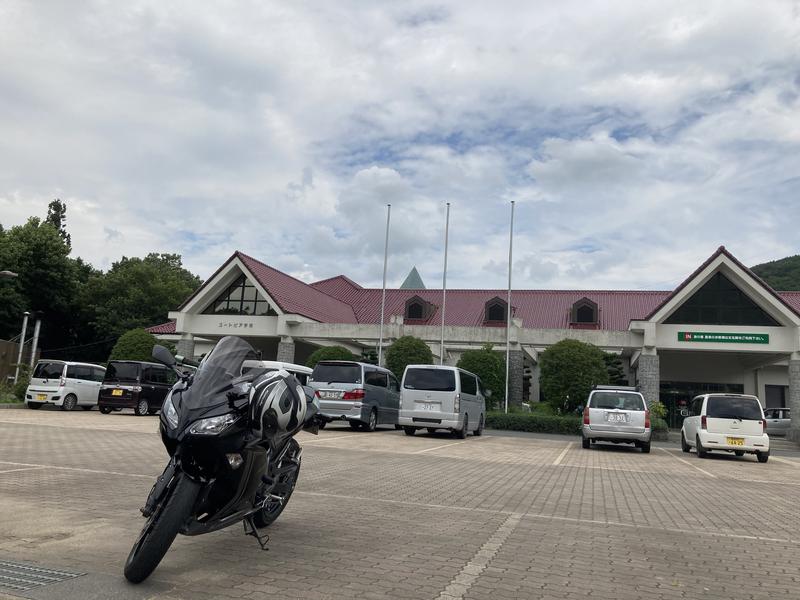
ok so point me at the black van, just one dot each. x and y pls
(141, 386)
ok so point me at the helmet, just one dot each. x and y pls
(277, 405)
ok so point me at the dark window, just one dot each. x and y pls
(79, 372)
(585, 314)
(72, 372)
(122, 371)
(393, 385)
(240, 298)
(375, 378)
(48, 370)
(432, 380)
(155, 375)
(337, 373)
(415, 311)
(720, 302)
(697, 407)
(468, 383)
(733, 407)
(98, 374)
(616, 400)
(496, 312)
(775, 395)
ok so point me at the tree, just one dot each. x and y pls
(57, 217)
(490, 366)
(783, 274)
(136, 344)
(569, 370)
(616, 373)
(137, 292)
(329, 353)
(407, 350)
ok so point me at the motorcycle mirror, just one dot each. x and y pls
(163, 356)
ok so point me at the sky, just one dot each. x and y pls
(635, 137)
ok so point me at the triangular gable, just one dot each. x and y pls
(753, 287)
(220, 281)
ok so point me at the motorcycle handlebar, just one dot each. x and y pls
(182, 360)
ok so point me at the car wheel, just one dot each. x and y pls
(462, 433)
(373, 421)
(355, 425)
(409, 430)
(585, 443)
(701, 452)
(70, 402)
(739, 452)
(645, 446)
(684, 444)
(106, 410)
(431, 429)
(479, 431)
(762, 456)
(87, 407)
(141, 408)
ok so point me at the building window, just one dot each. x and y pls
(720, 302)
(418, 309)
(495, 311)
(240, 298)
(415, 310)
(584, 311)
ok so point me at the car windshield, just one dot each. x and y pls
(122, 371)
(337, 373)
(732, 407)
(48, 370)
(617, 400)
(431, 380)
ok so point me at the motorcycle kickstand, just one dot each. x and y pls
(253, 530)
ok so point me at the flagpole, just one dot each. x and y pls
(444, 281)
(383, 292)
(508, 303)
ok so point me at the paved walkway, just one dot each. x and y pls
(384, 515)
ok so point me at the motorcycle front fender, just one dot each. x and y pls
(159, 488)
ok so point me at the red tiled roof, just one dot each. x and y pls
(168, 327)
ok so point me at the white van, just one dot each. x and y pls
(64, 384)
(301, 372)
(441, 397)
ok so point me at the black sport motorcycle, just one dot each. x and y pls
(233, 457)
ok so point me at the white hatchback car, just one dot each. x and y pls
(726, 422)
(65, 384)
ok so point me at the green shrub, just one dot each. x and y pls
(329, 353)
(657, 410)
(541, 408)
(658, 424)
(21, 386)
(490, 366)
(407, 350)
(136, 344)
(536, 423)
(569, 370)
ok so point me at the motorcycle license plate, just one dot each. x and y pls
(116, 392)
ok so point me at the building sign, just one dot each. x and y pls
(234, 325)
(724, 338)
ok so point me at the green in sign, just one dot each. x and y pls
(724, 338)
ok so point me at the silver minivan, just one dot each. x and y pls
(64, 384)
(778, 420)
(362, 394)
(616, 414)
(441, 397)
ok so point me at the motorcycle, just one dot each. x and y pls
(233, 456)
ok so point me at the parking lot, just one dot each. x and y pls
(384, 515)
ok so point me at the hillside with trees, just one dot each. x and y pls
(783, 274)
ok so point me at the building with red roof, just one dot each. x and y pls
(721, 329)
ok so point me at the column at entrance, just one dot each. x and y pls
(185, 346)
(516, 373)
(794, 398)
(648, 374)
(286, 349)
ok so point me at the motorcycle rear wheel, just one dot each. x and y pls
(161, 528)
(268, 515)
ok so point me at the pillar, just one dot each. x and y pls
(185, 345)
(648, 375)
(286, 349)
(794, 399)
(516, 366)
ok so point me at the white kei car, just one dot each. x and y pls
(726, 422)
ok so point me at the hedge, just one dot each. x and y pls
(534, 422)
(658, 424)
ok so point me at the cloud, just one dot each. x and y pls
(634, 139)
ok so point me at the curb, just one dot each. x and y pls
(12, 405)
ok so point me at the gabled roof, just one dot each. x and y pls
(168, 327)
(722, 251)
(413, 281)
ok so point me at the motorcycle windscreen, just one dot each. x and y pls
(219, 372)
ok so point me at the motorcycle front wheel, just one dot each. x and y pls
(161, 528)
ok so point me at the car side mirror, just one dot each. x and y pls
(163, 356)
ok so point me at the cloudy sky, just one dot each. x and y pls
(635, 139)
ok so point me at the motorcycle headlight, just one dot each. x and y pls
(169, 412)
(212, 425)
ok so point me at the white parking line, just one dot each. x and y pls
(438, 447)
(788, 462)
(4, 462)
(332, 439)
(561, 456)
(686, 462)
(21, 469)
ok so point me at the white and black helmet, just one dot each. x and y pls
(277, 404)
